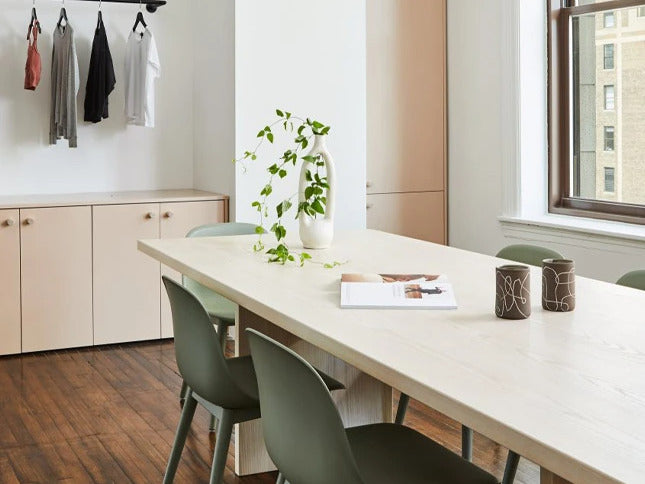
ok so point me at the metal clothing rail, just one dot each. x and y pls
(151, 5)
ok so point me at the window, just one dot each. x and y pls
(609, 138)
(610, 104)
(609, 179)
(595, 93)
(608, 56)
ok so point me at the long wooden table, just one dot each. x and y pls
(565, 390)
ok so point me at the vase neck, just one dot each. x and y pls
(320, 142)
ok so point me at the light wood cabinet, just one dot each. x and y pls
(406, 116)
(416, 215)
(177, 219)
(56, 270)
(126, 282)
(9, 282)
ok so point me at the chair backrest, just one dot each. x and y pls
(635, 279)
(302, 428)
(199, 353)
(216, 302)
(528, 254)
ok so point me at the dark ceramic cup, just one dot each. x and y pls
(513, 294)
(558, 285)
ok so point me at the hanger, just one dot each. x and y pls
(140, 19)
(34, 19)
(63, 16)
(100, 19)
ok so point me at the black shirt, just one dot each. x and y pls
(100, 79)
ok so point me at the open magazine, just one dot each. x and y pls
(394, 291)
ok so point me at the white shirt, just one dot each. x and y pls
(142, 68)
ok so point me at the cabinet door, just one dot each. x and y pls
(56, 259)
(176, 221)
(406, 52)
(416, 215)
(126, 281)
(9, 282)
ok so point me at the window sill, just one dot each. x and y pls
(580, 231)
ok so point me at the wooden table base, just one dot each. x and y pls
(548, 477)
(366, 400)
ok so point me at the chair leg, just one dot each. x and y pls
(213, 425)
(512, 461)
(467, 443)
(180, 437)
(222, 333)
(404, 400)
(280, 479)
(182, 392)
(221, 447)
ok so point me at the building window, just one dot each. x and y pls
(609, 180)
(608, 56)
(610, 103)
(584, 64)
(609, 138)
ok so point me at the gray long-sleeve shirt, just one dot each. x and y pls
(65, 84)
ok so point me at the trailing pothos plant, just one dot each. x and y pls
(315, 201)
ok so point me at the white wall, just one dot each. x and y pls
(111, 155)
(478, 137)
(307, 57)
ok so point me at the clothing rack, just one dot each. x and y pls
(151, 5)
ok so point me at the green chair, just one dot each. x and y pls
(634, 279)
(227, 388)
(305, 437)
(221, 310)
(532, 255)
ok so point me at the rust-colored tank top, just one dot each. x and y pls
(33, 66)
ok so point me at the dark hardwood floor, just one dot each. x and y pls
(108, 415)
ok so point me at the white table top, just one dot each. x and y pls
(566, 390)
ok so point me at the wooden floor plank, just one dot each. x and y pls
(109, 414)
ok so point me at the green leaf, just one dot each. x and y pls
(282, 173)
(309, 158)
(317, 206)
(305, 143)
(259, 230)
(308, 176)
(270, 137)
(261, 134)
(279, 113)
(288, 115)
(309, 191)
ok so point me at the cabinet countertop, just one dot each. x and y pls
(107, 198)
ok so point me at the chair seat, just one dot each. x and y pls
(243, 374)
(387, 453)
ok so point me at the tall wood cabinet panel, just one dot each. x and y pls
(9, 282)
(126, 282)
(56, 268)
(177, 219)
(416, 215)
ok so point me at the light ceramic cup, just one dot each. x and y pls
(558, 285)
(513, 293)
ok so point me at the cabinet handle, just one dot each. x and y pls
(368, 206)
(9, 222)
(368, 184)
(168, 214)
(150, 215)
(29, 221)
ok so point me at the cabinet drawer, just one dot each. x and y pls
(416, 215)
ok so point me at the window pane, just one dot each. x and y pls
(608, 50)
(609, 179)
(609, 20)
(641, 12)
(609, 98)
(608, 108)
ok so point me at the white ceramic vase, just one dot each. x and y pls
(317, 233)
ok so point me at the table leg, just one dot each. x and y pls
(366, 400)
(548, 477)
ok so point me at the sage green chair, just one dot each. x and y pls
(227, 388)
(220, 309)
(305, 437)
(532, 255)
(635, 279)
